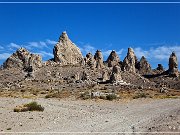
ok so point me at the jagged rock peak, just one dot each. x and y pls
(129, 61)
(113, 59)
(143, 66)
(66, 52)
(22, 58)
(173, 65)
(99, 59)
(63, 37)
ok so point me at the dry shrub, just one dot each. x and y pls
(32, 106)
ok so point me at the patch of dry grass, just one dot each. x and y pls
(32, 106)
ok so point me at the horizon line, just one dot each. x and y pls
(88, 2)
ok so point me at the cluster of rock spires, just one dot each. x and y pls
(67, 53)
(22, 58)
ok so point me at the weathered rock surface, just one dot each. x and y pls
(113, 59)
(130, 61)
(160, 67)
(173, 65)
(99, 59)
(66, 52)
(116, 74)
(143, 66)
(22, 58)
(105, 76)
(90, 61)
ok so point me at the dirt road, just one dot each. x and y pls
(75, 116)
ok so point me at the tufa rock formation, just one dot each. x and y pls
(173, 65)
(116, 75)
(89, 60)
(113, 59)
(143, 66)
(160, 67)
(105, 76)
(23, 59)
(66, 52)
(130, 61)
(99, 59)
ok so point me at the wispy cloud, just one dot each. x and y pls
(45, 54)
(51, 42)
(160, 53)
(88, 48)
(106, 53)
(140, 52)
(4, 56)
(14, 46)
(39, 44)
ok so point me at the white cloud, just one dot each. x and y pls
(140, 52)
(4, 56)
(51, 42)
(39, 45)
(45, 54)
(160, 53)
(106, 52)
(14, 45)
(88, 48)
(34, 44)
(42, 43)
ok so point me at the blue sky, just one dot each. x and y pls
(152, 30)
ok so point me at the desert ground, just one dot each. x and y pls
(95, 116)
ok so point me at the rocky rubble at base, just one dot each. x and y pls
(69, 70)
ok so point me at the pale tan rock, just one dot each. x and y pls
(99, 59)
(130, 61)
(113, 59)
(22, 58)
(116, 75)
(66, 52)
(90, 61)
(173, 65)
(105, 76)
(143, 66)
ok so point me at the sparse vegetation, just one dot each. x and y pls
(62, 94)
(140, 95)
(32, 106)
(86, 95)
(111, 97)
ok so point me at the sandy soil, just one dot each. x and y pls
(100, 116)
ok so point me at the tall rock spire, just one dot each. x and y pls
(130, 61)
(173, 65)
(99, 59)
(113, 59)
(143, 66)
(66, 52)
